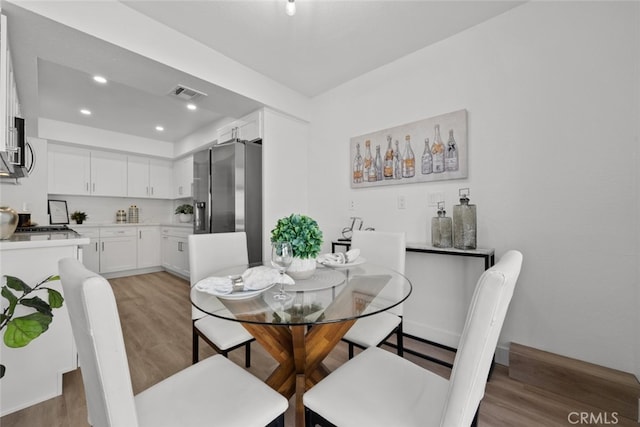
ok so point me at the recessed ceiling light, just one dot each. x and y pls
(100, 79)
(85, 112)
(159, 128)
(191, 106)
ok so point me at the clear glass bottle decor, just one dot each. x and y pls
(368, 162)
(408, 160)
(397, 164)
(441, 229)
(358, 166)
(427, 159)
(378, 163)
(372, 174)
(464, 222)
(388, 160)
(437, 151)
(451, 155)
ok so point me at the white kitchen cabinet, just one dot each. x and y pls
(79, 171)
(69, 170)
(9, 103)
(175, 249)
(91, 252)
(149, 253)
(108, 173)
(183, 177)
(149, 177)
(118, 249)
(247, 128)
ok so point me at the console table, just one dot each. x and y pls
(487, 254)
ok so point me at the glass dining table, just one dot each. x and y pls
(302, 329)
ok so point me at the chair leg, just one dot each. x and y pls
(350, 351)
(474, 423)
(194, 346)
(278, 422)
(400, 339)
(247, 355)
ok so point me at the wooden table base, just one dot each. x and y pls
(299, 352)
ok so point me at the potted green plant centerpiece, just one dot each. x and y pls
(79, 216)
(21, 330)
(305, 237)
(186, 213)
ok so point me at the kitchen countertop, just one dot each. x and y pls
(130, 224)
(43, 240)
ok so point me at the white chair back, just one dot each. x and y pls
(211, 252)
(479, 339)
(386, 249)
(98, 335)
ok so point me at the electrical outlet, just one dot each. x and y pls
(434, 198)
(402, 202)
(352, 205)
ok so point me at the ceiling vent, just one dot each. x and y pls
(186, 93)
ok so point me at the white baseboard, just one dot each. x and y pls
(449, 338)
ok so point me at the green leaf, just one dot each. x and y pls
(17, 284)
(22, 330)
(38, 304)
(9, 296)
(55, 298)
(52, 278)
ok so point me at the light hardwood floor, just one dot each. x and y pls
(156, 321)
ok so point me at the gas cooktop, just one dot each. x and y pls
(42, 229)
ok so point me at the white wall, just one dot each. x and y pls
(285, 169)
(553, 142)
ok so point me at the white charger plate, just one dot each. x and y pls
(237, 295)
(358, 261)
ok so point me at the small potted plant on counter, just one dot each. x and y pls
(305, 237)
(186, 213)
(79, 216)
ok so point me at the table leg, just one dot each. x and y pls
(300, 354)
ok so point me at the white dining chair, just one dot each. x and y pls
(387, 250)
(207, 254)
(378, 388)
(213, 392)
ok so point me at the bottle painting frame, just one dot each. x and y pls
(400, 172)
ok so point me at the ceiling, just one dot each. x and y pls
(327, 43)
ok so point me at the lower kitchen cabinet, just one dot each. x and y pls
(91, 252)
(149, 247)
(175, 249)
(118, 249)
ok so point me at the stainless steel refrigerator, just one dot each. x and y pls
(228, 192)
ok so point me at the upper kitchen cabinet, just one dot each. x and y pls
(149, 177)
(247, 128)
(86, 172)
(69, 170)
(9, 104)
(183, 177)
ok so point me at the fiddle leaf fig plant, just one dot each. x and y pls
(21, 330)
(303, 233)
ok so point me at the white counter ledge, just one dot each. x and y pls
(43, 240)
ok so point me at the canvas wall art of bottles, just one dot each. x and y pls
(464, 222)
(387, 156)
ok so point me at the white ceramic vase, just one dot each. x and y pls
(8, 222)
(302, 268)
(186, 217)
